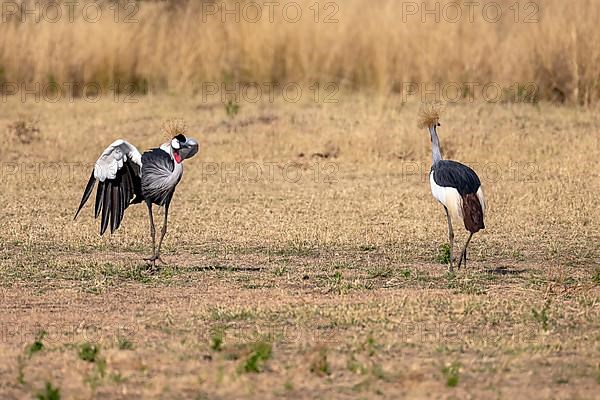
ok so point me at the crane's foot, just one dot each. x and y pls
(151, 261)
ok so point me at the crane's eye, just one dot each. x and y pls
(175, 144)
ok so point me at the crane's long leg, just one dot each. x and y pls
(152, 232)
(163, 232)
(463, 254)
(451, 239)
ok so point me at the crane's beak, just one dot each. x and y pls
(188, 149)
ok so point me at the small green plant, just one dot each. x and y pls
(452, 374)
(444, 254)
(356, 366)
(320, 365)
(37, 345)
(232, 109)
(280, 271)
(48, 393)
(117, 378)
(371, 346)
(125, 344)
(216, 338)
(541, 316)
(88, 352)
(405, 273)
(335, 282)
(261, 352)
(596, 277)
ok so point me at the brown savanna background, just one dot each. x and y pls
(305, 255)
(176, 46)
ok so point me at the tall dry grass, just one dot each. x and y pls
(175, 46)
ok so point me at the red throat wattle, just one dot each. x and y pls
(177, 157)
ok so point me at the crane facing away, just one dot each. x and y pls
(122, 173)
(453, 184)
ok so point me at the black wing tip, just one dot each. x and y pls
(86, 194)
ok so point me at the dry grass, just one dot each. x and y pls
(328, 286)
(176, 47)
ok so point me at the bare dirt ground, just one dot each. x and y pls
(303, 256)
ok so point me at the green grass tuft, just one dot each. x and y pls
(48, 393)
(452, 374)
(444, 254)
(231, 109)
(125, 344)
(596, 277)
(37, 345)
(88, 352)
(216, 338)
(261, 352)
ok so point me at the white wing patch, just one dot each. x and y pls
(449, 197)
(113, 157)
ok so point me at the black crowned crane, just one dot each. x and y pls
(127, 177)
(454, 185)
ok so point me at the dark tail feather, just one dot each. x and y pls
(115, 212)
(473, 213)
(106, 207)
(86, 194)
(122, 200)
(99, 199)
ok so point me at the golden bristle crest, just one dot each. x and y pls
(429, 114)
(174, 127)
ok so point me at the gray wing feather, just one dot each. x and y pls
(159, 177)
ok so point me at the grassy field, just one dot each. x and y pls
(177, 45)
(304, 256)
